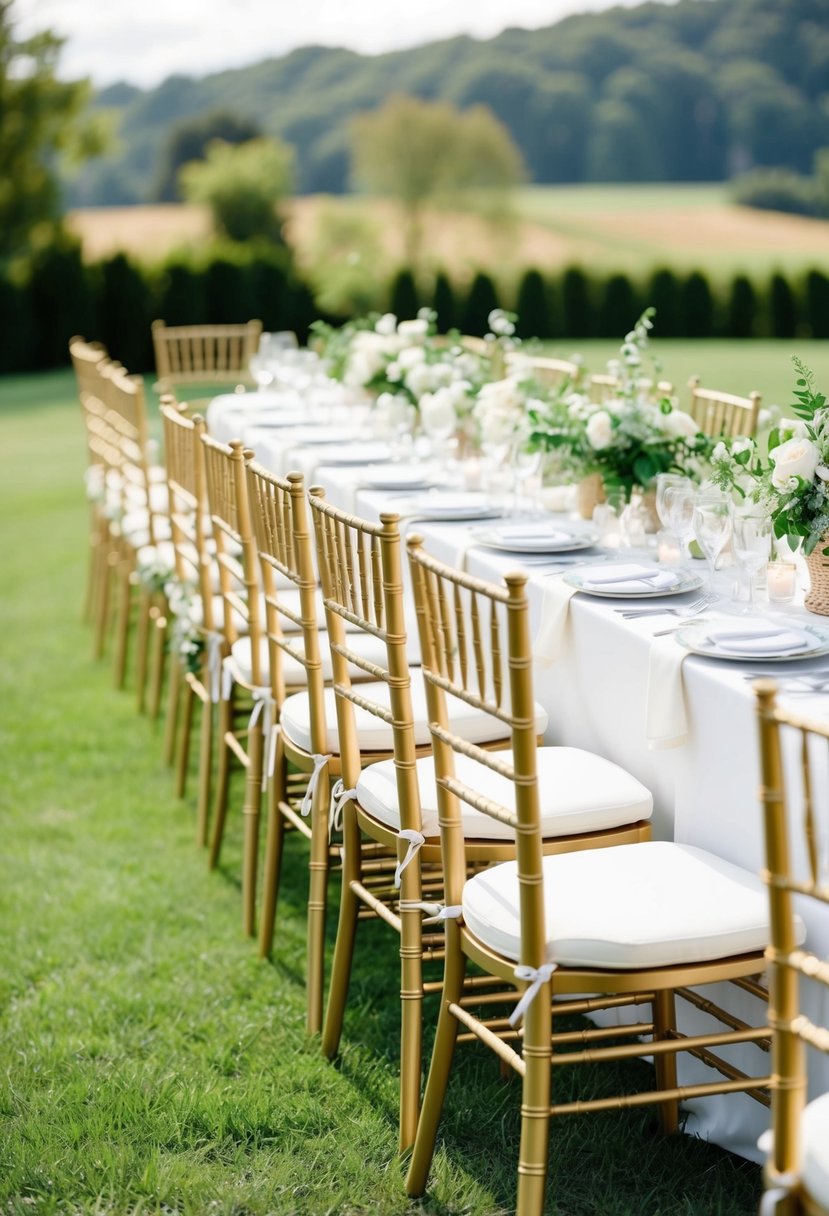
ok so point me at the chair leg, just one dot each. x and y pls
(103, 598)
(205, 770)
(277, 792)
(664, 1021)
(444, 1048)
(535, 1107)
(173, 703)
(123, 623)
(411, 1004)
(183, 761)
(346, 932)
(222, 778)
(250, 814)
(159, 641)
(141, 648)
(317, 901)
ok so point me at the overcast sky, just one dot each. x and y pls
(144, 41)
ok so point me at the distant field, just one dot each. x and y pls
(604, 228)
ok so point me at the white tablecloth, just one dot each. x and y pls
(705, 791)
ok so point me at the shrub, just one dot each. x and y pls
(777, 190)
(782, 308)
(17, 326)
(227, 291)
(663, 293)
(532, 307)
(480, 302)
(126, 307)
(63, 301)
(443, 302)
(696, 307)
(817, 303)
(578, 316)
(741, 317)
(181, 296)
(404, 300)
(619, 307)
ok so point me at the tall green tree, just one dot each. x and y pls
(43, 121)
(243, 185)
(190, 139)
(421, 152)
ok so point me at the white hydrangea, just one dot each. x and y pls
(600, 430)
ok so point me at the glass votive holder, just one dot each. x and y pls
(668, 550)
(781, 581)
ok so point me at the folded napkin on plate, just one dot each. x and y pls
(666, 724)
(555, 606)
(758, 637)
(628, 576)
(532, 532)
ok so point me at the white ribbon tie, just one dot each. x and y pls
(214, 664)
(416, 841)
(339, 797)
(437, 912)
(264, 707)
(536, 977)
(307, 801)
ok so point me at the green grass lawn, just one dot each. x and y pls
(150, 1062)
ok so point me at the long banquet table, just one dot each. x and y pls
(705, 791)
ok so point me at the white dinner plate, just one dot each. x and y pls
(397, 479)
(450, 506)
(511, 539)
(350, 454)
(685, 582)
(695, 639)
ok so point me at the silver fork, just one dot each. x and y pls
(704, 601)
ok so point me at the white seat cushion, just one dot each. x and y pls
(368, 647)
(814, 1131)
(628, 906)
(374, 735)
(578, 792)
(135, 527)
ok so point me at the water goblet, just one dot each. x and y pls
(679, 502)
(751, 538)
(664, 483)
(712, 528)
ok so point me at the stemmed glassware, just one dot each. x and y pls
(678, 503)
(665, 482)
(712, 528)
(751, 542)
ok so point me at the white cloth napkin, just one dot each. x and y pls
(628, 576)
(555, 609)
(541, 532)
(758, 637)
(666, 723)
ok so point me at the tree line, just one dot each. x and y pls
(699, 90)
(115, 301)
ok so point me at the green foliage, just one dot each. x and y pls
(189, 141)
(617, 306)
(63, 298)
(663, 292)
(578, 315)
(181, 295)
(242, 184)
(227, 291)
(533, 308)
(444, 304)
(346, 262)
(480, 302)
(742, 309)
(17, 327)
(419, 152)
(817, 303)
(404, 300)
(126, 312)
(42, 120)
(696, 306)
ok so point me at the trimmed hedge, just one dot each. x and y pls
(115, 300)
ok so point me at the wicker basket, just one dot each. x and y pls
(818, 565)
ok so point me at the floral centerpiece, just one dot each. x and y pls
(790, 479)
(632, 435)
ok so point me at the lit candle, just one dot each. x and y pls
(780, 582)
(667, 549)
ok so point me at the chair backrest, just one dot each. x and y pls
(281, 529)
(475, 645)
(88, 362)
(204, 354)
(362, 583)
(794, 758)
(602, 387)
(232, 532)
(187, 495)
(719, 413)
(549, 372)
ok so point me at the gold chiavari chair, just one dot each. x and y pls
(195, 575)
(88, 359)
(719, 413)
(548, 371)
(632, 924)
(797, 1168)
(602, 387)
(189, 356)
(391, 801)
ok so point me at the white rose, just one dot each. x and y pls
(437, 412)
(387, 325)
(422, 379)
(720, 453)
(497, 425)
(822, 471)
(411, 356)
(413, 331)
(680, 424)
(599, 430)
(743, 444)
(792, 427)
(795, 458)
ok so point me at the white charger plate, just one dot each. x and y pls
(449, 507)
(403, 479)
(694, 638)
(491, 539)
(686, 582)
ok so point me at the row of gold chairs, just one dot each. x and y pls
(452, 813)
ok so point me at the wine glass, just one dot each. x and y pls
(712, 528)
(665, 482)
(525, 466)
(679, 502)
(439, 422)
(751, 542)
(261, 369)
